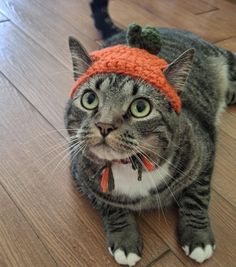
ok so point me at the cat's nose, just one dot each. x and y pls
(105, 128)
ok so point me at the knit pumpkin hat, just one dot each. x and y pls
(137, 60)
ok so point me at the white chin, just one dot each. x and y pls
(104, 152)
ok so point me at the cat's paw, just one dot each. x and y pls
(126, 248)
(200, 254)
(198, 244)
(122, 258)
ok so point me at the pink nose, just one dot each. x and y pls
(105, 128)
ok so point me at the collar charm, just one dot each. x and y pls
(107, 183)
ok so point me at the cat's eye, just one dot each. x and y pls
(140, 108)
(89, 100)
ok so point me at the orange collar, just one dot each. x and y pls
(107, 180)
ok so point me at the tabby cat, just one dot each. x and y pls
(115, 121)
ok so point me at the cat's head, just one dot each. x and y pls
(113, 116)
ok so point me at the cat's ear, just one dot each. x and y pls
(80, 57)
(177, 72)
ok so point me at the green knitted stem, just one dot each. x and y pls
(134, 35)
(147, 38)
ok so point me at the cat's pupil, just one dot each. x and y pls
(91, 98)
(140, 106)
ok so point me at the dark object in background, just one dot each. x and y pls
(102, 20)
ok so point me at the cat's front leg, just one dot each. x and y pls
(196, 236)
(123, 238)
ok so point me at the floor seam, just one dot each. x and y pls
(34, 40)
(28, 222)
(206, 11)
(4, 187)
(28, 101)
(159, 257)
(225, 39)
(231, 205)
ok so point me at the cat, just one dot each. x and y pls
(117, 119)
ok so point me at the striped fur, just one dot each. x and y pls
(186, 141)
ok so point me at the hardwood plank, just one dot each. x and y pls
(145, 15)
(43, 80)
(222, 4)
(224, 181)
(153, 247)
(223, 217)
(215, 27)
(227, 123)
(194, 7)
(35, 172)
(43, 192)
(224, 172)
(168, 259)
(77, 13)
(118, 11)
(229, 44)
(50, 31)
(208, 25)
(19, 245)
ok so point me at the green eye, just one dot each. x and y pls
(140, 108)
(89, 100)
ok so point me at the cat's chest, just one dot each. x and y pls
(126, 181)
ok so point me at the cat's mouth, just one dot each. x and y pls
(106, 152)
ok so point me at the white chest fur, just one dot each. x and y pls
(126, 182)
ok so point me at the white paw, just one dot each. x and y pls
(199, 254)
(186, 250)
(131, 259)
(110, 251)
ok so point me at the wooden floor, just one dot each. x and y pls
(44, 221)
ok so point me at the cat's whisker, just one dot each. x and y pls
(176, 181)
(51, 150)
(163, 178)
(67, 151)
(60, 162)
(48, 133)
(159, 166)
(172, 143)
(153, 184)
(166, 160)
(54, 158)
(74, 152)
(36, 161)
(56, 147)
(77, 148)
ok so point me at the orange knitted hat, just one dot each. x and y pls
(135, 62)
